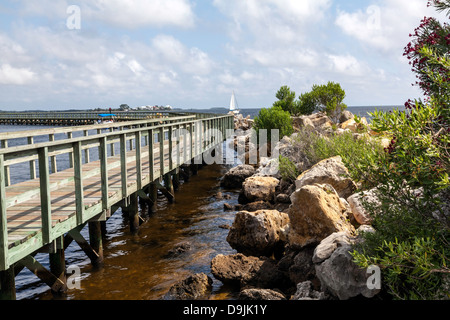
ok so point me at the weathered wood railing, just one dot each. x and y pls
(128, 157)
(67, 118)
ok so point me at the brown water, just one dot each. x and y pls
(138, 266)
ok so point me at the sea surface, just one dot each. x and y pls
(142, 266)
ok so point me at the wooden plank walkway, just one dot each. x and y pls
(50, 204)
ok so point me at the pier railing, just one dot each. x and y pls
(105, 164)
(73, 118)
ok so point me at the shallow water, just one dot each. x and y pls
(139, 266)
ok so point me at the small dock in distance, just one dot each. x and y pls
(122, 165)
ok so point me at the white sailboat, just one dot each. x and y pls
(233, 104)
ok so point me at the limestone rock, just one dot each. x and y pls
(350, 125)
(356, 204)
(260, 294)
(315, 213)
(237, 175)
(194, 287)
(331, 171)
(258, 233)
(247, 271)
(259, 188)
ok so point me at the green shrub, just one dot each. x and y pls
(356, 154)
(274, 118)
(287, 168)
(411, 244)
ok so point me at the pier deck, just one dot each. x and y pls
(106, 170)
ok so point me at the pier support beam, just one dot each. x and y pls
(133, 213)
(176, 180)
(169, 187)
(58, 261)
(194, 169)
(96, 240)
(8, 284)
(153, 195)
(57, 286)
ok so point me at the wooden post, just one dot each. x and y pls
(169, 186)
(151, 154)
(78, 176)
(3, 219)
(69, 136)
(103, 154)
(7, 171)
(46, 205)
(58, 261)
(133, 213)
(123, 165)
(176, 179)
(153, 194)
(32, 162)
(51, 138)
(95, 240)
(8, 284)
(161, 151)
(138, 160)
(86, 151)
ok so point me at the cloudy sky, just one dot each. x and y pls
(194, 53)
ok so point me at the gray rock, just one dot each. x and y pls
(237, 175)
(342, 278)
(328, 245)
(305, 291)
(195, 287)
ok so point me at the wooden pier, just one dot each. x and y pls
(66, 118)
(120, 165)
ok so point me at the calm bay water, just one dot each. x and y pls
(139, 266)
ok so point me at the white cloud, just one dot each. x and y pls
(385, 26)
(129, 14)
(141, 13)
(267, 20)
(348, 65)
(15, 76)
(170, 50)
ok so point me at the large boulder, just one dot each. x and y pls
(194, 287)
(236, 176)
(315, 213)
(258, 233)
(238, 269)
(341, 277)
(259, 188)
(331, 171)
